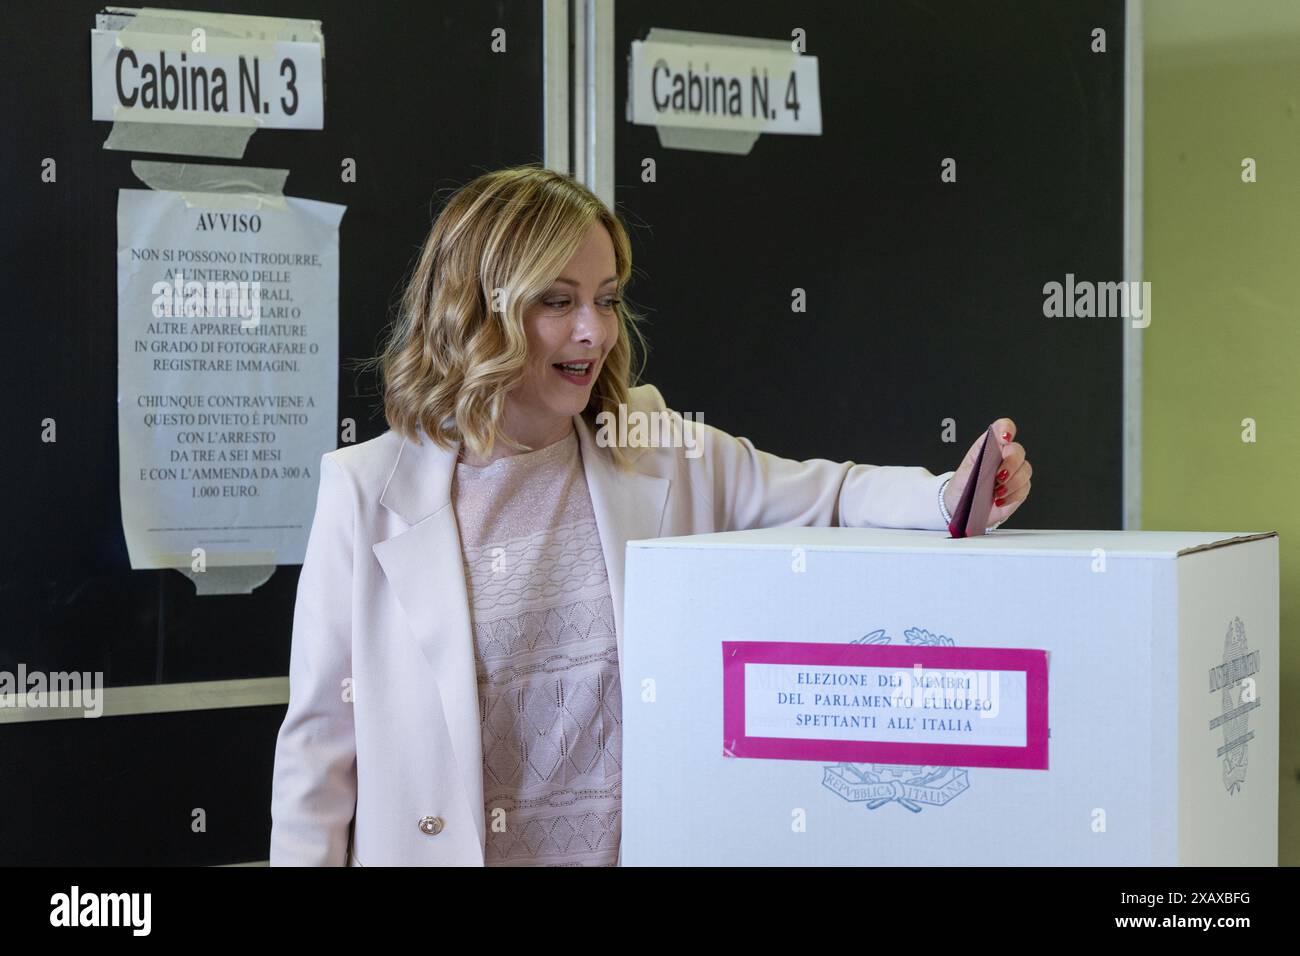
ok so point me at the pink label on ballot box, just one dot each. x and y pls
(872, 703)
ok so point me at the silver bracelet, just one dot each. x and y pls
(947, 518)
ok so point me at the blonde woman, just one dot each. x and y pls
(454, 679)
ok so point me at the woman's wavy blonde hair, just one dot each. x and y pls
(458, 345)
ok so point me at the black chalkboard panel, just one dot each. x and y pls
(415, 95)
(191, 788)
(925, 298)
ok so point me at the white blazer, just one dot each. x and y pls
(379, 760)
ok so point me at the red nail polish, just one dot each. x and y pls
(1006, 436)
(1000, 491)
(1002, 475)
(998, 502)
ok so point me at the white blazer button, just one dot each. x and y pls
(431, 826)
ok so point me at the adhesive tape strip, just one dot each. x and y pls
(210, 186)
(233, 580)
(210, 177)
(738, 142)
(212, 559)
(163, 20)
(225, 142)
(225, 572)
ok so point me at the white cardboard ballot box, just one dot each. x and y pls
(881, 697)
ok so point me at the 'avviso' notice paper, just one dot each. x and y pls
(227, 374)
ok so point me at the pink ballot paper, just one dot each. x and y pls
(971, 516)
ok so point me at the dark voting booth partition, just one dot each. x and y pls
(415, 95)
(924, 298)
